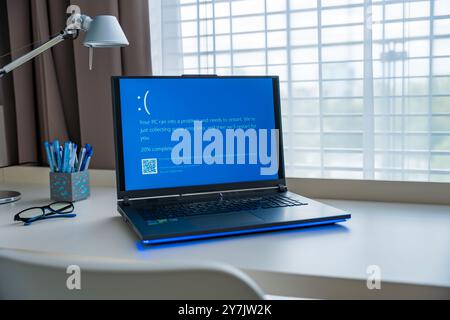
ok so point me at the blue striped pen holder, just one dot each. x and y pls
(69, 186)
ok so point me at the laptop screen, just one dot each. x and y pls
(196, 131)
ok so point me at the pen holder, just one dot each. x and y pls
(69, 186)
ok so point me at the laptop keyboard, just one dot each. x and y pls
(173, 211)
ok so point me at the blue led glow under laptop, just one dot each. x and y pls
(202, 156)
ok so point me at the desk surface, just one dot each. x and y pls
(410, 243)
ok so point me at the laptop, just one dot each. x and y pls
(202, 156)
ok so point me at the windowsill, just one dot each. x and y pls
(363, 190)
(372, 190)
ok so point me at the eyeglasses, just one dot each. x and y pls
(54, 210)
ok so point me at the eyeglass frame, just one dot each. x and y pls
(51, 215)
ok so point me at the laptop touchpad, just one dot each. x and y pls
(219, 221)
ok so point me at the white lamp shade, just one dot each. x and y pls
(105, 32)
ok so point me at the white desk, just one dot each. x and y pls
(410, 243)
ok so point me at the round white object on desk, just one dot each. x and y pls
(9, 196)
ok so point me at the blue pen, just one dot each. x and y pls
(85, 158)
(81, 158)
(86, 167)
(49, 157)
(61, 153)
(75, 164)
(63, 161)
(88, 148)
(58, 155)
(73, 157)
(69, 161)
(88, 159)
(66, 157)
(52, 154)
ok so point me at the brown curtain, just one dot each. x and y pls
(57, 96)
(8, 144)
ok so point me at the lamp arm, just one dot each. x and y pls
(66, 34)
(77, 22)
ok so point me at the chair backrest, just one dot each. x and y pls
(37, 275)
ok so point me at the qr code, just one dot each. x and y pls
(149, 166)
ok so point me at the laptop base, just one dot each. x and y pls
(240, 232)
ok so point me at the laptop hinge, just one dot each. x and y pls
(127, 200)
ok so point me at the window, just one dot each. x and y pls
(365, 83)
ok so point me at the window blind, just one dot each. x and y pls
(365, 84)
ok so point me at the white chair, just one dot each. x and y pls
(37, 275)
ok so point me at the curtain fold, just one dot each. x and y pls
(20, 34)
(56, 95)
(8, 149)
(49, 98)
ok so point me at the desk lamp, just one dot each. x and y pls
(101, 32)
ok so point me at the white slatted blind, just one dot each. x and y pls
(365, 83)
